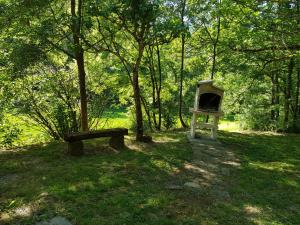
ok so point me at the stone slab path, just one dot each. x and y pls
(210, 168)
(55, 221)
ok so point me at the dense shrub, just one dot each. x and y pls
(169, 120)
(49, 98)
(9, 133)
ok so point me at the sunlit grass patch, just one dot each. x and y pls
(162, 164)
(231, 126)
(275, 166)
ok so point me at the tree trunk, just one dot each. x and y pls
(215, 45)
(273, 98)
(158, 89)
(153, 100)
(137, 95)
(297, 106)
(147, 111)
(79, 57)
(277, 96)
(152, 76)
(288, 90)
(156, 86)
(182, 67)
(82, 89)
(213, 68)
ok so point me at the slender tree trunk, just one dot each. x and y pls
(215, 45)
(297, 106)
(152, 76)
(138, 106)
(213, 68)
(147, 111)
(182, 67)
(142, 99)
(137, 95)
(156, 86)
(277, 96)
(153, 100)
(158, 89)
(273, 97)
(82, 89)
(288, 91)
(79, 57)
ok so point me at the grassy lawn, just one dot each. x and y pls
(130, 187)
(266, 189)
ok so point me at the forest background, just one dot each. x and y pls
(67, 66)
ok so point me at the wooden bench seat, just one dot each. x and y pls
(75, 145)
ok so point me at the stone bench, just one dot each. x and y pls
(75, 144)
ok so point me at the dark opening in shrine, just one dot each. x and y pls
(209, 102)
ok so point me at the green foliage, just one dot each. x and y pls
(9, 133)
(133, 125)
(49, 97)
(25, 55)
(169, 120)
(252, 44)
(169, 114)
(257, 119)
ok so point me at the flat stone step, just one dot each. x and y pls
(58, 220)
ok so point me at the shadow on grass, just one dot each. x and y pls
(130, 187)
(267, 186)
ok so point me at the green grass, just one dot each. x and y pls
(100, 188)
(130, 187)
(38, 182)
(116, 118)
(29, 132)
(268, 183)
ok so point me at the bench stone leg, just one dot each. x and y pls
(117, 142)
(75, 148)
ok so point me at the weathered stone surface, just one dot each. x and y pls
(192, 185)
(225, 171)
(174, 187)
(210, 168)
(295, 208)
(42, 223)
(8, 179)
(207, 165)
(221, 195)
(58, 220)
(4, 216)
(23, 211)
